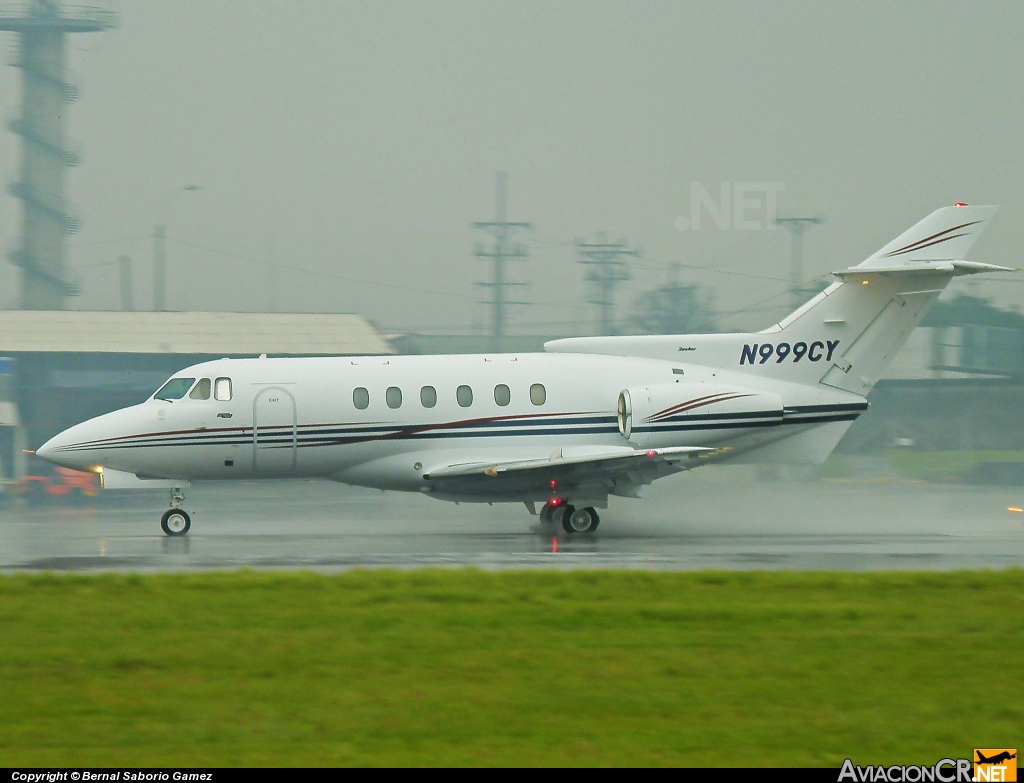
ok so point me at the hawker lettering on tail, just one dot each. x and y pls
(587, 419)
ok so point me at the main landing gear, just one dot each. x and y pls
(176, 521)
(572, 519)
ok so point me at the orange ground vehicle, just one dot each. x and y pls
(57, 484)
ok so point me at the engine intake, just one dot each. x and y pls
(692, 413)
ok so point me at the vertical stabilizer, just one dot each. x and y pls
(870, 313)
(945, 235)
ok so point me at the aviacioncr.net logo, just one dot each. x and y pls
(943, 771)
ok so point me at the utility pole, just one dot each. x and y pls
(160, 248)
(608, 269)
(124, 269)
(501, 251)
(797, 226)
(159, 267)
(271, 263)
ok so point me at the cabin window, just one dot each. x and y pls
(502, 395)
(428, 396)
(201, 391)
(174, 389)
(538, 394)
(361, 398)
(464, 395)
(393, 397)
(222, 389)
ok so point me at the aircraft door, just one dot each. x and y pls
(275, 428)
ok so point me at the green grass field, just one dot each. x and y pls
(515, 667)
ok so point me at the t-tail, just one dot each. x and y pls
(866, 317)
(846, 336)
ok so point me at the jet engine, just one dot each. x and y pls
(668, 414)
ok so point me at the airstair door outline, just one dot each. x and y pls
(275, 431)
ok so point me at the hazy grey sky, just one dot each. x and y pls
(364, 138)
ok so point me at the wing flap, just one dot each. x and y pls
(610, 459)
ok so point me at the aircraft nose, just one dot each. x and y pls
(46, 450)
(60, 450)
(50, 451)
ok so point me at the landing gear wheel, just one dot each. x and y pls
(580, 520)
(175, 522)
(560, 513)
(545, 514)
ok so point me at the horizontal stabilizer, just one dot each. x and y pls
(955, 268)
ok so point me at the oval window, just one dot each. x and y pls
(361, 398)
(502, 395)
(464, 395)
(222, 389)
(538, 394)
(428, 396)
(393, 397)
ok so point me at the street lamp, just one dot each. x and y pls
(160, 248)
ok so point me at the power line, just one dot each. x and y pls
(317, 272)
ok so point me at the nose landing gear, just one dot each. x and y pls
(176, 521)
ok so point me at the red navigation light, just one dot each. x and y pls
(556, 501)
(553, 483)
(960, 204)
(651, 453)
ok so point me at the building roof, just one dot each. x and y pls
(222, 334)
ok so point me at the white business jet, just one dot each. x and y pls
(589, 418)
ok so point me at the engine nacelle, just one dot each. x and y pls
(693, 414)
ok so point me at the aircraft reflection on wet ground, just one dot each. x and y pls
(689, 523)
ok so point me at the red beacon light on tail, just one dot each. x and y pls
(960, 204)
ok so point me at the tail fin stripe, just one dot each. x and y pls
(921, 242)
(921, 247)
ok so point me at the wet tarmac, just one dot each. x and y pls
(718, 521)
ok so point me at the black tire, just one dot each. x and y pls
(559, 512)
(566, 516)
(583, 520)
(546, 514)
(175, 522)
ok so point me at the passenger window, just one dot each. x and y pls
(538, 394)
(201, 390)
(502, 395)
(464, 395)
(361, 398)
(222, 389)
(174, 389)
(393, 397)
(428, 396)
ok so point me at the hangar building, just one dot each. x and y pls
(62, 367)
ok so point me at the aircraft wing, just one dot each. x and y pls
(590, 472)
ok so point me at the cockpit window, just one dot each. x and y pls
(201, 390)
(222, 389)
(174, 389)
